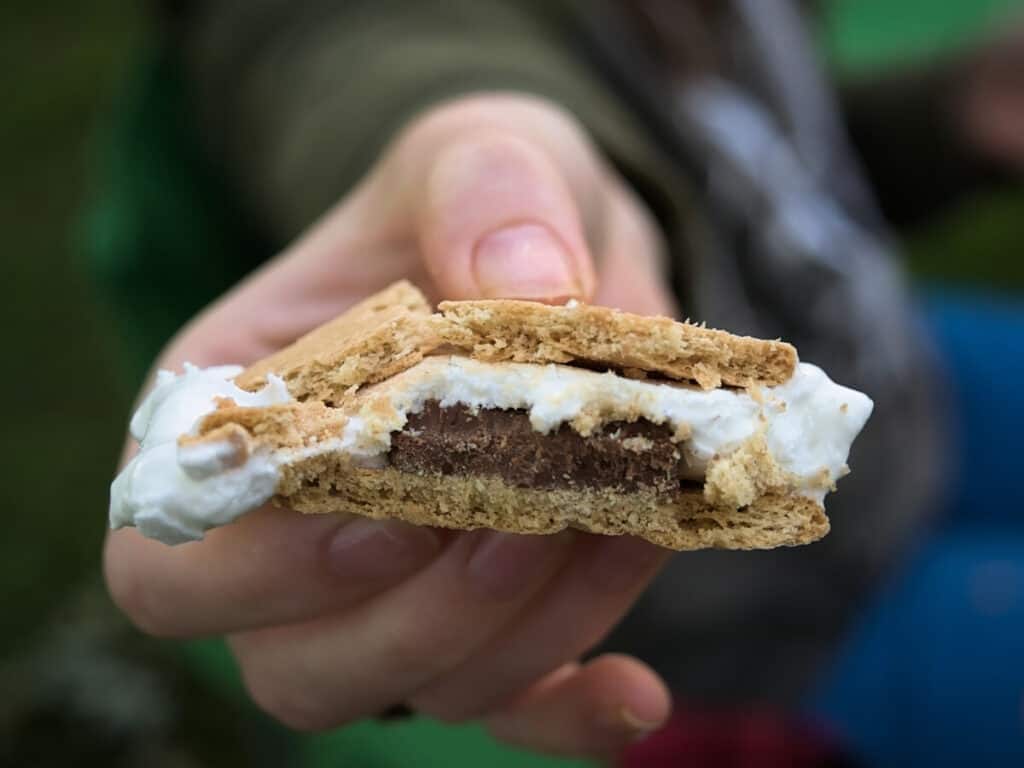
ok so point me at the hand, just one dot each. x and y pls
(333, 619)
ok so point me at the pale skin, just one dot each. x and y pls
(331, 619)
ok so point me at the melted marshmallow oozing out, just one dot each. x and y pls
(175, 494)
(172, 494)
(810, 420)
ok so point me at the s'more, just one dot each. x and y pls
(510, 415)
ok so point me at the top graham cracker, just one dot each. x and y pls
(529, 332)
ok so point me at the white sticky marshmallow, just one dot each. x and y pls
(175, 494)
(811, 421)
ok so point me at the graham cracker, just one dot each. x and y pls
(684, 521)
(529, 332)
(382, 335)
(745, 502)
(287, 425)
(392, 331)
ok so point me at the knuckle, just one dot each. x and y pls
(286, 701)
(491, 157)
(505, 124)
(412, 652)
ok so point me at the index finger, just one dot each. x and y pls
(271, 566)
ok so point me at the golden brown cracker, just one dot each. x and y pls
(529, 332)
(685, 521)
(377, 338)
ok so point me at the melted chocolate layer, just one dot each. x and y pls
(456, 441)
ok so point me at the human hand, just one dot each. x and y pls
(333, 619)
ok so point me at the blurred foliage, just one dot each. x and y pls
(91, 691)
(79, 685)
(973, 242)
(975, 245)
(864, 36)
(60, 62)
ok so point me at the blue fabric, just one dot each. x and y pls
(981, 337)
(935, 673)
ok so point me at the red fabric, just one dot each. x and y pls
(696, 739)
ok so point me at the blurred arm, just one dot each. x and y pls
(298, 98)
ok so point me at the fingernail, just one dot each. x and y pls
(642, 726)
(503, 565)
(379, 550)
(526, 261)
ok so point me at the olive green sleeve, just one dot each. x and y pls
(298, 99)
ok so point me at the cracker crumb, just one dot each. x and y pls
(748, 472)
(637, 444)
(683, 431)
(756, 393)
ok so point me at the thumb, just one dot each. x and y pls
(496, 218)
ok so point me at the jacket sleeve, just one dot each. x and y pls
(297, 99)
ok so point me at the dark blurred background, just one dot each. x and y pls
(68, 390)
(62, 64)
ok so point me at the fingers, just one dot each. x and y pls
(581, 606)
(327, 672)
(596, 709)
(499, 187)
(634, 273)
(271, 567)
